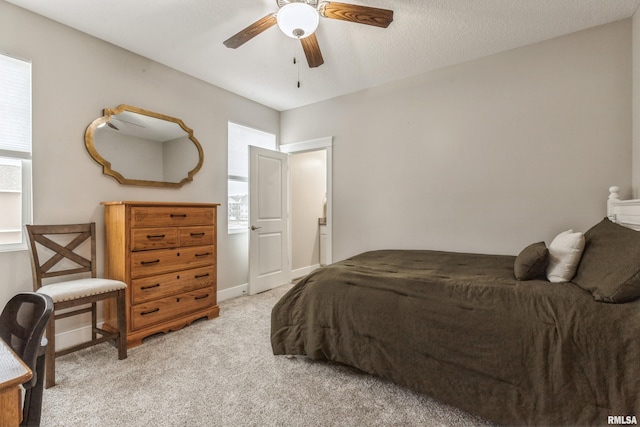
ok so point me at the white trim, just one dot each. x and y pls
(301, 272)
(237, 230)
(27, 207)
(310, 145)
(15, 154)
(236, 291)
(73, 337)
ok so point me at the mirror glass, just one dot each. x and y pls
(140, 147)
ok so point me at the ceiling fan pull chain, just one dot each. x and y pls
(295, 62)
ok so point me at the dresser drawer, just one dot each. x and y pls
(154, 238)
(196, 236)
(164, 285)
(153, 312)
(148, 263)
(171, 216)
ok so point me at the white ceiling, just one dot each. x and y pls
(425, 35)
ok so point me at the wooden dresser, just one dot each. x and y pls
(166, 254)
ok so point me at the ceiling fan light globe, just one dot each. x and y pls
(298, 20)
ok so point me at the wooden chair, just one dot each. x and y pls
(22, 325)
(80, 294)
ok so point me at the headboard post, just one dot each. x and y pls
(623, 212)
(614, 196)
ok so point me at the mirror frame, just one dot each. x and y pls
(106, 165)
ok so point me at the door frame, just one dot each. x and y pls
(318, 144)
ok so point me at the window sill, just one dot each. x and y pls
(237, 231)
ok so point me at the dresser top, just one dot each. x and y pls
(138, 203)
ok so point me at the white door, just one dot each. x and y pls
(268, 220)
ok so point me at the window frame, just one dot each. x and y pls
(24, 157)
(240, 178)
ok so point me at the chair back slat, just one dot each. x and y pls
(67, 272)
(62, 252)
(43, 236)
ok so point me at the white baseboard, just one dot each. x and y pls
(301, 272)
(74, 336)
(236, 291)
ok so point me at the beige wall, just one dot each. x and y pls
(308, 188)
(74, 77)
(485, 156)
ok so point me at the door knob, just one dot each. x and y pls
(254, 228)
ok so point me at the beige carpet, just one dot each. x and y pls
(222, 373)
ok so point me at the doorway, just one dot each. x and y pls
(310, 194)
(308, 187)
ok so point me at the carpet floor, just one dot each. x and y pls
(222, 372)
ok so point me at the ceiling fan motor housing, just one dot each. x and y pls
(298, 19)
(281, 3)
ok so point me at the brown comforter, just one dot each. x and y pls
(462, 329)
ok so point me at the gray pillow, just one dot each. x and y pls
(531, 262)
(610, 265)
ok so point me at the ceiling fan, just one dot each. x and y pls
(300, 18)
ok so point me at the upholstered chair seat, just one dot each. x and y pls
(80, 288)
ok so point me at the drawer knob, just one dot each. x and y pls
(149, 262)
(157, 285)
(178, 215)
(202, 297)
(144, 313)
(197, 234)
(202, 255)
(200, 276)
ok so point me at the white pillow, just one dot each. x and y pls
(565, 252)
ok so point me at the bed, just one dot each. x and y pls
(464, 330)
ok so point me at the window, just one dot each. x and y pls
(240, 138)
(15, 151)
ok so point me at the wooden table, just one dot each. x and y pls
(13, 373)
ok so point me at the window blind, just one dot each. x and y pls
(15, 106)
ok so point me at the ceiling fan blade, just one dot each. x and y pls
(312, 51)
(251, 31)
(355, 13)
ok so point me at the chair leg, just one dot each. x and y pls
(32, 409)
(94, 321)
(122, 325)
(50, 357)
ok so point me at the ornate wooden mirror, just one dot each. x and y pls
(140, 147)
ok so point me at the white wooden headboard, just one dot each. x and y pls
(623, 212)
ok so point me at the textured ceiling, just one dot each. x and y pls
(425, 35)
